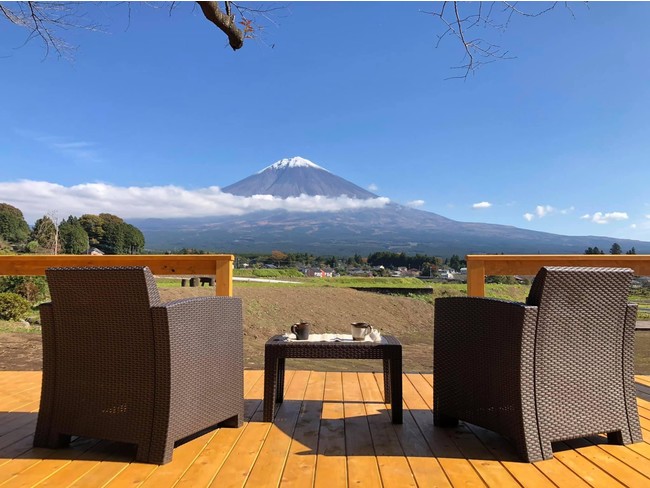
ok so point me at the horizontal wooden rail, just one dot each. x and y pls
(217, 265)
(480, 266)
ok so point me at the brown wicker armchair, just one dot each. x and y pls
(559, 367)
(120, 365)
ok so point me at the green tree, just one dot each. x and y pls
(13, 227)
(615, 249)
(454, 262)
(133, 239)
(46, 233)
(94, 227)
(594, 250)
(114, 240)
(73, 237)
(631, 251)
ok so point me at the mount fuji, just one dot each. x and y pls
(368, 224)
(294, 177)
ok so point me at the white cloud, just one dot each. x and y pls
(373, 187)
(415, 203)
(543, 210)
(633, 226)
(37, 198)
(605, 218)
(647, 216)
(482, 205)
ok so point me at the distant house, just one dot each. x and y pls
(359, 272)
(319, 272)
(445, 274)
(93, 251)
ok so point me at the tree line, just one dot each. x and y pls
(615, 249)
(74, 235)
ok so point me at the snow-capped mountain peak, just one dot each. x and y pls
(295, 162)
(292, 177)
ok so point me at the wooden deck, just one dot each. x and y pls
(332, 430)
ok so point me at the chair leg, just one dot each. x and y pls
(620, 437)
(533, 453)
(442, 420)
(234, 421)
(161, 454)
(43, 437)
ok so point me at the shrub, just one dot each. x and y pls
(32, 288)
(13, 307)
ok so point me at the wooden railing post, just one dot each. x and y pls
(475, 278)
(223, 281)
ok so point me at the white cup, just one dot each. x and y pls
(360, 330)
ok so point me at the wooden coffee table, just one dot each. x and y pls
(278, 349)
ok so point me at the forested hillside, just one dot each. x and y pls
(74, 235)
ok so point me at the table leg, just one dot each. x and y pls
(396, 388)
(270, 385)
(279, 392)
(387, 392)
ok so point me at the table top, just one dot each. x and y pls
(281, 341)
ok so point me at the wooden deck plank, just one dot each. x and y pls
(624, 454)
(77, 468)
(584, 468)
(645, 380)
(458, 470)
(106, 470)
(426, 468)
(41, 468)
(331, 463)
(239, 463)
(394, 466)
(611, 464)
(25, 414)
(641, 448)
(300, 467)
(332, 430)
(362, 463)
(269, 465)
(527, 474)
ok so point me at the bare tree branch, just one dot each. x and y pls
(47, 21)
(226, 23)
(478, 51)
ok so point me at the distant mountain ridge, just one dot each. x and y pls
(390, 227)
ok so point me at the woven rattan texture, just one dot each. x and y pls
(120, 365)
(558, 368)
(277, 350)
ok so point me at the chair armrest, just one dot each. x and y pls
(199, 360)
(478, 315)
(202, 324)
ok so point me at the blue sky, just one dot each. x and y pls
(155, 112)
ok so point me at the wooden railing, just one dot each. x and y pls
(480, 266)
(218, 265)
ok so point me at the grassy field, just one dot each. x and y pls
(516, 293)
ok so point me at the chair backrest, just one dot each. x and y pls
(560, 288)
(583, 336)
(102, 320)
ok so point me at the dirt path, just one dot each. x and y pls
(272, 310)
